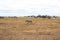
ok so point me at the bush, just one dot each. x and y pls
(1, 17)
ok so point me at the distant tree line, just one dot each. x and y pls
(38, 16)
(2, 17)
(44, 16)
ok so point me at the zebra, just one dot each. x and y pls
(28, 21)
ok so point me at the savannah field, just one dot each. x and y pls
(39, 29)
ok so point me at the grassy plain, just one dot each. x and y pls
(39, 29)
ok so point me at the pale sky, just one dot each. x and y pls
(29, 7)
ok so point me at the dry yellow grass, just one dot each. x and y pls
(40, 29)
